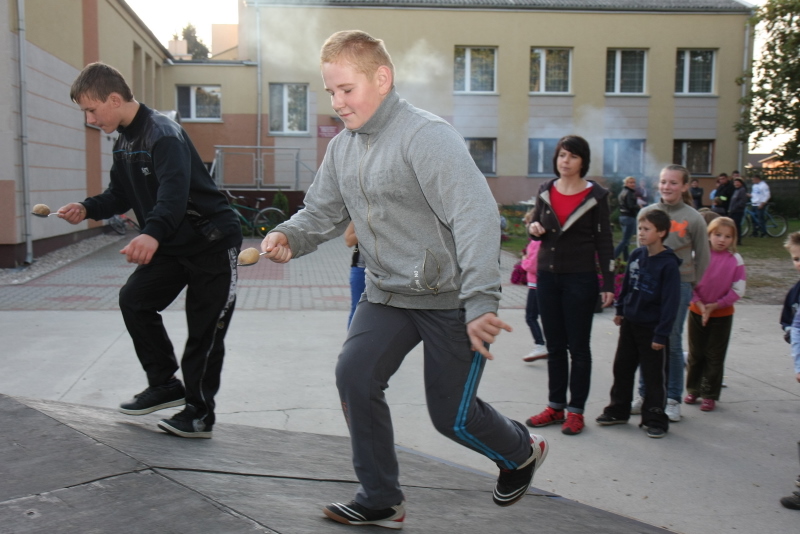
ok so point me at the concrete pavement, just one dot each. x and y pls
(723, 471)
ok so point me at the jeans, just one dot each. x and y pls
(737, 219)
(758, 220)
(568, 301)
(357, 285)
(676, 361)
(532, 316)
(628, 225)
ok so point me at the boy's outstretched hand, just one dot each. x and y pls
(485, 329)
(276, 246)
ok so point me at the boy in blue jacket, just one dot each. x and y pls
(646, 310)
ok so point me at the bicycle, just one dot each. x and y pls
(120, 223)
(257, 221)
(775, 224)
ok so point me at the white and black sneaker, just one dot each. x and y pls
(155, 398)
(512, 484)
(185, 424)
(353, 513)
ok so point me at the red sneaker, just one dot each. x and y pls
(690, 399)
(573, 425)
(707, 405)
(548, 417)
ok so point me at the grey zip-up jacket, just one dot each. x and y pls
(426, 221)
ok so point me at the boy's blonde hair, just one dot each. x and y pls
(727, 222)
(793, 240)
(359, 49)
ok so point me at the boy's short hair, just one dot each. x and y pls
(358, 48)
(576, 145)
(97, 81)
(792, 240)
(657, 218)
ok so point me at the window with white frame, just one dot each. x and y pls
(288, 108)
(625, 71)
(550, 68)
(694, 71)
(623, 157)
(695, 155)
(198, 102)
(474, 69)
(540, 156)
(483, 151)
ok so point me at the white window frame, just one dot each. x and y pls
(285, 109)
(193, 102)
(542, 157)
(543, 71)
(493, 171)
(687, 63)
(684, 145)
(618, 71)
(468, 69)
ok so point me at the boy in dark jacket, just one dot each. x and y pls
(646, 310)
(190, 238)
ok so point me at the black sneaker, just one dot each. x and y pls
(353, 513)
(605, 419)
(186, 425)
(792, 501)
(512, 484)
(155, 398)
(653, 432)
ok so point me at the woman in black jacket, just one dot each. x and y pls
(571, 218)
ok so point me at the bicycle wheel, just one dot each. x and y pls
(267, 219)
(776, 225)
(746, 226)
(117, 224)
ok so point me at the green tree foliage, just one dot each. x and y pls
(194, 46)
(281, 202)
(773, 103)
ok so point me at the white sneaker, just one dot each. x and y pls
(539, 352)
(636, 407)
(673, 410)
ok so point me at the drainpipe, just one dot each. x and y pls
(749, 80)
(23, 133)
(259, 90)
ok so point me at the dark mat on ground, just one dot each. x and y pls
(69, 468)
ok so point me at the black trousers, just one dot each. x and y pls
(634, 350)
(210, 282)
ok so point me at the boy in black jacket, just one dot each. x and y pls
(646, 309)
(190, 238)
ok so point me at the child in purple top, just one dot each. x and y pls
(711, 314)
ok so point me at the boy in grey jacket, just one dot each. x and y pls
(427, 228)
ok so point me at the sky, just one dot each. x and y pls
(168, 17)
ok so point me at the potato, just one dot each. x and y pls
(248, 256)
(41, 209)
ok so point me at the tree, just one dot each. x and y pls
(194, 46)
(772, 105)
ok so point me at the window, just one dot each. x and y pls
(550, 70)
(694, 71)
(483, 152)
(623, 157)
(625, 71)
(199, 101)
(694, 155)
(288, 108)
(540, 156)
(474, 69)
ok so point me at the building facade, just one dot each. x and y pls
(646, 82)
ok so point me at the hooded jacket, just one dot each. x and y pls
(426, 221)
(158, 173)
(583, 243)
(650, 292)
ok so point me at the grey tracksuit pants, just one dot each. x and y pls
(377, 342)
